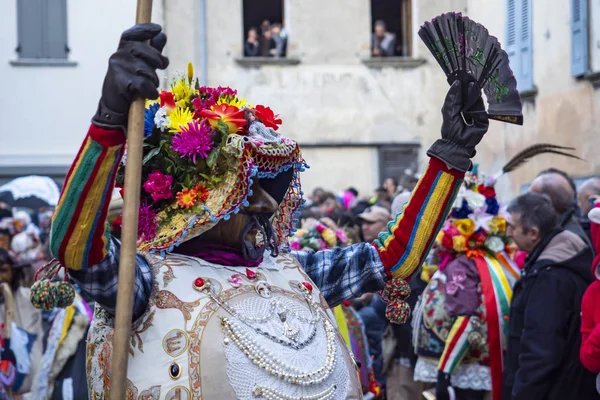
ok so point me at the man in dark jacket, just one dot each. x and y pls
(543, 351)
(561, 190)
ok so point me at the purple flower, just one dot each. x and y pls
(193, 141)
(147, 223)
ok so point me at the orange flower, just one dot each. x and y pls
(186, 198)
(201, 192)
(232, 116)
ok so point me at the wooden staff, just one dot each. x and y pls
(133, 173)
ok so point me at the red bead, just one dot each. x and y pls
(250, 274)
(199, 282)
(308, 286)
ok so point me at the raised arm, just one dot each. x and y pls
(80, 237)
(345, 273)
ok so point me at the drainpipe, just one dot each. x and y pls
(202, 44)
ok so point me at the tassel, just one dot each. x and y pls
(395, 289)
(47, 294)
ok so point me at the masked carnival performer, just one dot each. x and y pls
(461, 321)
(221, 310)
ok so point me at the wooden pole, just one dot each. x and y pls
(133, 173)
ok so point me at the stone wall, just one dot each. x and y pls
(331, 95)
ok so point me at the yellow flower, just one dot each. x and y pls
(232, 101)
(329, 237)
(439, 237)
(190, 71)
(427, 272)
(497, 225)
(459, 243)
(178, 118)
(300, 233)
(181, 91)
(465, 226)
(150, 102)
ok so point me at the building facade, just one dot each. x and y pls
(358, 118)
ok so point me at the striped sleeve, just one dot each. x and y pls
(79, 236)
(457, 345)
(409, 237)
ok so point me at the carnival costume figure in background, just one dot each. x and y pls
(462, 318)
(221, 311)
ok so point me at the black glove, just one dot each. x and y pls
(441, 386)
(464, 124)
(131, 73)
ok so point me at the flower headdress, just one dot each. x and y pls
(319, 237)
(475, 227)
(203, 147)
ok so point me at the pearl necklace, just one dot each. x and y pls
(273, 305)
(273, 394)
(293, 345)
(266, 360)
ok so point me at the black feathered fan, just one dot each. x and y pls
(466, 51)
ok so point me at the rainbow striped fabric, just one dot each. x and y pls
(80, 237)
(410, 236)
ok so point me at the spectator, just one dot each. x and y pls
(391, 185)
(27, 332)
(561, 190)
(586, 192)
(330, 204)
(374, 220)
(267, 43)
(383, 43)
(318, 196)
(543, 350)
(382, 198)
(252, 47)
(280, 39)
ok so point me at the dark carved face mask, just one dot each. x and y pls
(254, 250)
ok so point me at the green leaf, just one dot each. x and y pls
(223, 127)
(212, 157)
(150, 155)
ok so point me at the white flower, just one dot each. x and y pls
(475, 200)
(459, 197)
(494, 243)
(160, 118)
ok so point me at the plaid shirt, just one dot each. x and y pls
(340, 274)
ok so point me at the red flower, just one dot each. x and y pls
(267, 117)
(159, 186)
(167, 99)
(487, 191)
(232, 116)
(201, 191)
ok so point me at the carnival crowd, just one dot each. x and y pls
(553, 348)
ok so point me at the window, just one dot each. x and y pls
(264, 33)
(519, 43)
(592, 13)
(391, 28)
(395, 159)
(42, 29)
(579, 38)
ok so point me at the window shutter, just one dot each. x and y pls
(55, 40)
(511, 38)
(525, 47)
(579, 37)
(30, 15)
